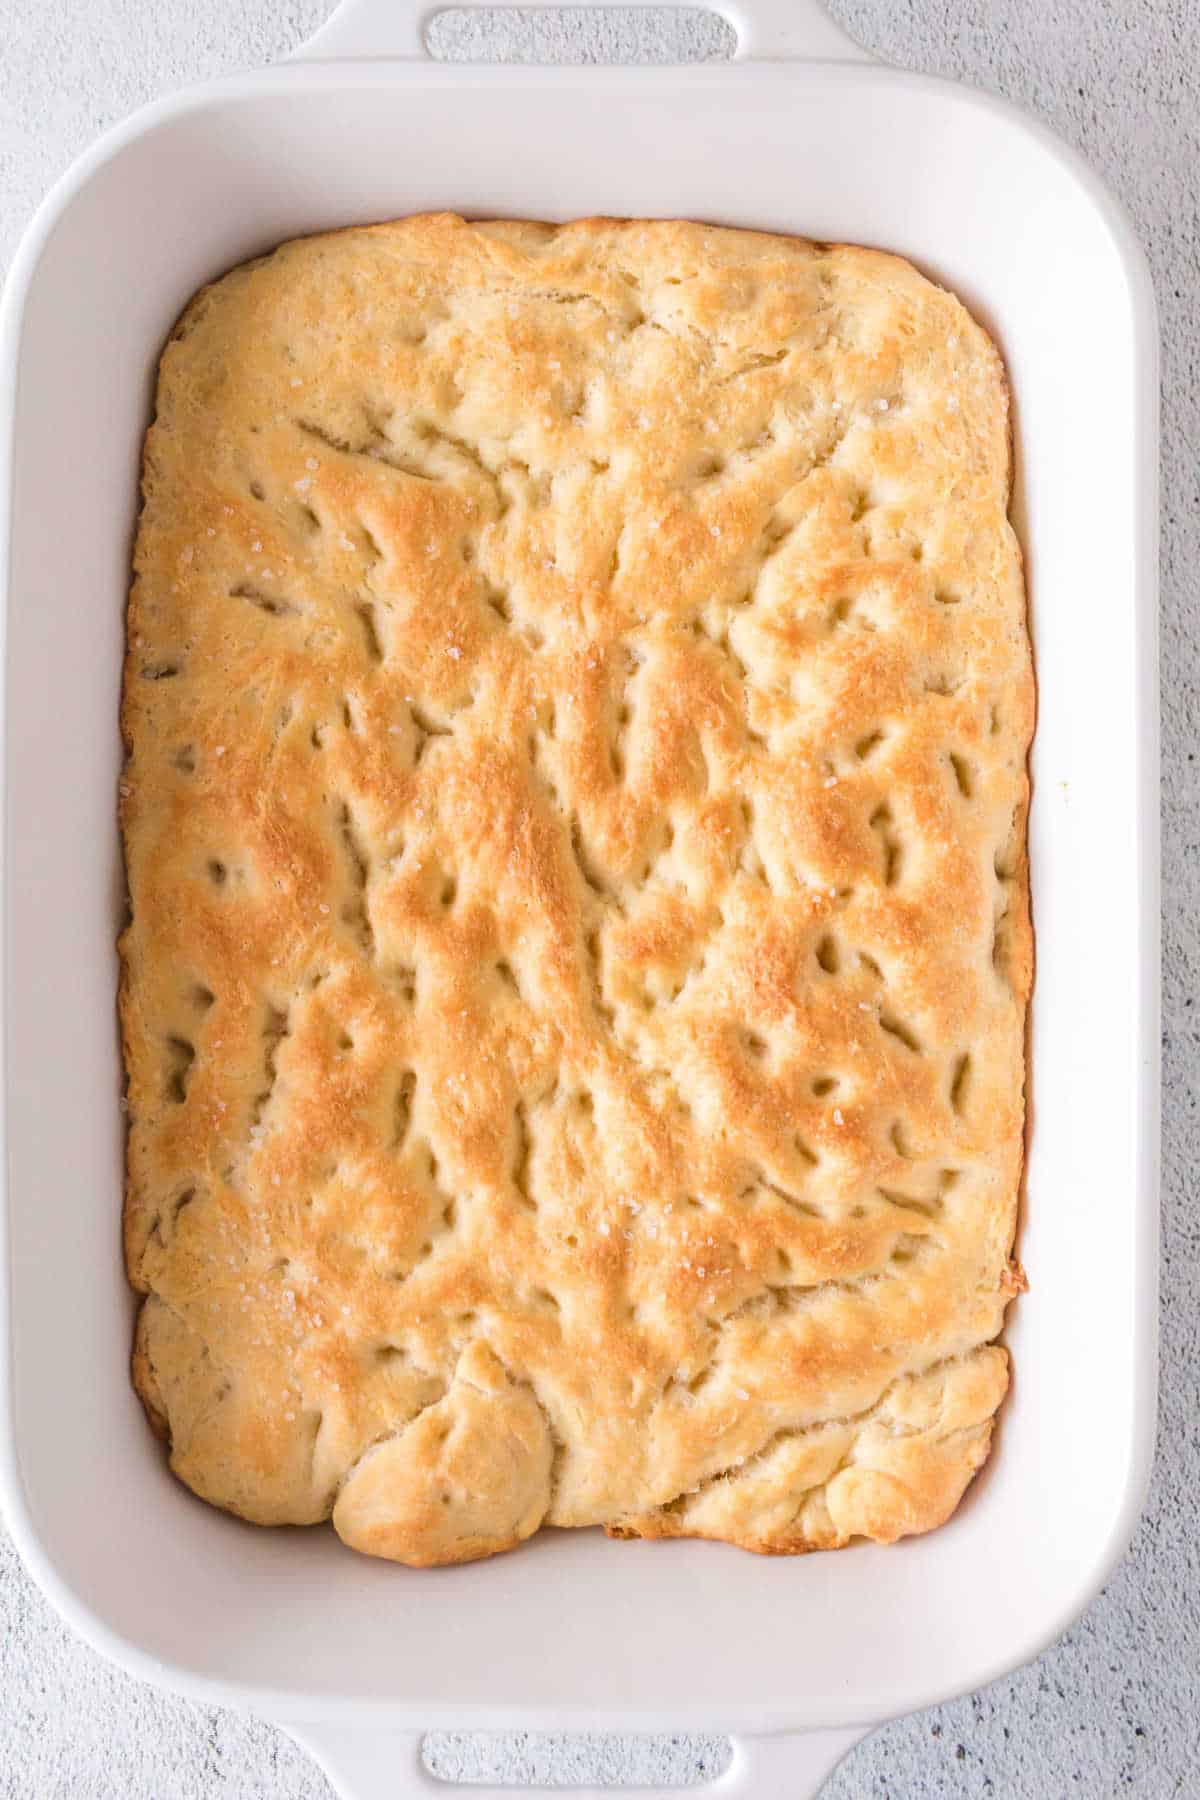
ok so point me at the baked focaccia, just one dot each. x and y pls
(577, 705)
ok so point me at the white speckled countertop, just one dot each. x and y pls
(1114, 1708)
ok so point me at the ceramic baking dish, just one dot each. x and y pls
(796, 1658)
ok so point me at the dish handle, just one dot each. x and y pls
(370, 1763)
(766, 29)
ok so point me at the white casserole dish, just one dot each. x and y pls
(797, 1657)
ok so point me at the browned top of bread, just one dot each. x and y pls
(577, 703)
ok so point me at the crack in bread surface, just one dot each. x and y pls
(576, 708)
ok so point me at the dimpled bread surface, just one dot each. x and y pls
(577, 704)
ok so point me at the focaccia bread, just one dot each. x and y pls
(577, 705)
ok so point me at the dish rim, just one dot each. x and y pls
(304, 78)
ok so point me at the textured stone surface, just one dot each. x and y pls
(1114, 1708)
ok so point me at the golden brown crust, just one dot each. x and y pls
(577, 703)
